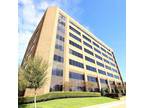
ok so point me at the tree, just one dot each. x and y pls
(34, 73)
(22, 83)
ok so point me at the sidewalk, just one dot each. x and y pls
(117, 104)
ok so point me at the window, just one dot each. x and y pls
(109, 74)
(59, 47)
(103, 49)
(101, 72)
(99, 57)
(105, 55)
(58, 58)
(74, 44)
(110, 58)
(75, 37)
(76, 63)
(92, 79)
(88, 51)
(103, 81)
(88, 45)
(97, 51)
(109, 53)
(107, 67)
(114, 70)
(100, 64)
(74, 30)
(89, 59)
(90, 68)
(60, 38)
(112, 64)
(115, 76)
(106, 61)
(77, 76)
(75, 53)
(86, 38)
(57, 72)
(96, 44)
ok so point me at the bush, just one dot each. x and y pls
(113, 95)
(57, 95)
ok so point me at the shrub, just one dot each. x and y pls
(57, 95)
(113, 95)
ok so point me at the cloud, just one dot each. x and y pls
(30, 13)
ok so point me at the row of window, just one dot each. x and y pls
(100, 64)
(75, 37)
(75, 44)
(91, 68)
(99, 57)
(86, 38)
(88, 51)
(74, 30)
(77, 76)
(59, 72)
(92, 79)
(75, 53)
(88, 45)
(76, 63)
(90, 39)
(101, 72)
(89, 59)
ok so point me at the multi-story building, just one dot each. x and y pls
(77, 60)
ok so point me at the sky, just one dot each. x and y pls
(106, 19)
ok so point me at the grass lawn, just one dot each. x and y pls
(70, 102)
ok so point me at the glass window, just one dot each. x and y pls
(106, 61)
(60, 37)
(109, 53)
(58, 58)
(105, 55)
(75, 37)
(75, 53)
(96, 44)
(86, 38)
(88, 51)
(110, 58)
(114, 70)
(109, 74)
(75, 44)
(77, 76)
(74, 30)
(59, 47)
(97, 51)
(90, 68)
(103, 81)
(103, 49)
(57, 72)
(101, 72)
(100, 64)
(99, 57)
(88, 45)
(76, 63)
(92, 79)
(108, 67)
(115, 76)
(89, 59)
(112, 64)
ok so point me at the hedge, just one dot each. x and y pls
(57, 95)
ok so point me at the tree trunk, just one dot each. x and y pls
(35, 99)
